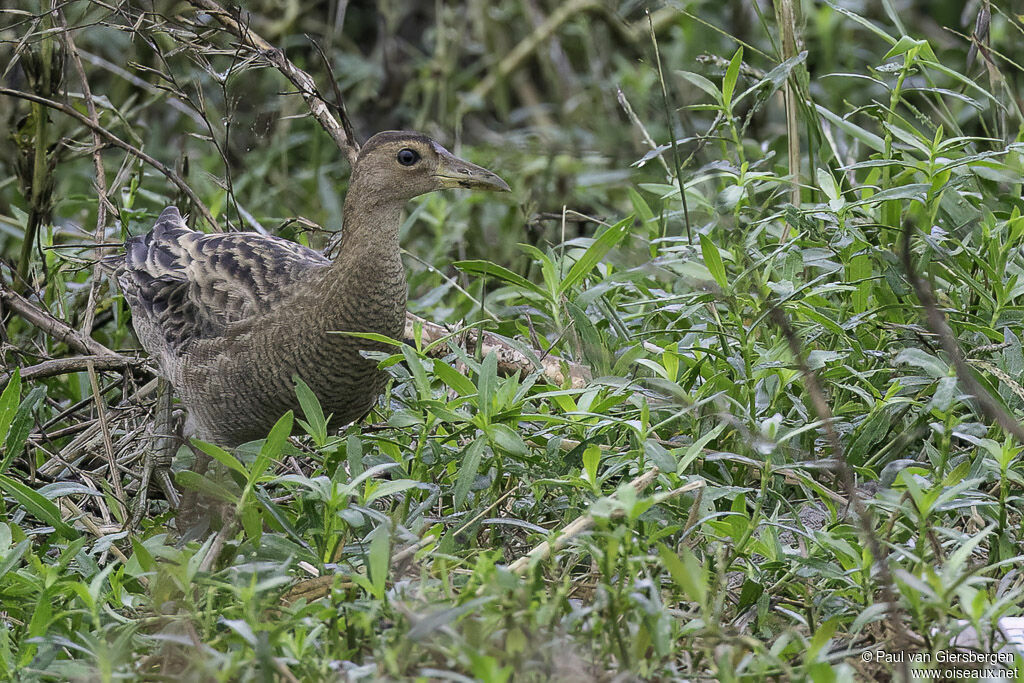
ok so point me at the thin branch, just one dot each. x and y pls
(108, 445)
(670, 118)
(118, 142)
(97, 158)
(510, 359)
(64, 366)
(50, 325)
(341, 133)
(936, 322)
(846, 476)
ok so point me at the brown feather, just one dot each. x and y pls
(233, 318)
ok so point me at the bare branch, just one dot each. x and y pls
(97, 158)
(50, 325)
(846, 476)
(64, 366)
(936, 322)
(118, 142)
(340, 133)
(510, 359)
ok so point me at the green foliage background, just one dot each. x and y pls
(603, 120)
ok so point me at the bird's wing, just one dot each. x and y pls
(188, 285)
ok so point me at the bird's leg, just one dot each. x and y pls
(193, 513)
(157, 463)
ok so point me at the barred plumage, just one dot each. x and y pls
(233, 318)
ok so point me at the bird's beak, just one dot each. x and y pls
(458, 173)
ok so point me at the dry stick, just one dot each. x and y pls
(97, 158)
(118, 142)
(51, 325)
(659, 18)
(217, 546)
(89, 524)
(108, 445)
(631, 115)
(842, 467)
(510, 359)
(583, 523)
(936, 322)
(341, 133)
(64, 366)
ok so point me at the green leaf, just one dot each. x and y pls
(500, 272)
(252, 522)
(419, 373)
(547, 269)
(486, 384)
(749, 594)
(869, 139)
(713, 261)
(467, 471)
(221, 456)
(702, 83)
(9, 402)
(316, 423)
(686, 572)
(197, 482)
(594, 253)
(731, 76)
(453, 378)
(13, 556)
(640, 206)
(21, 426)
(354, 455)
(278, 436)
(916, 191)
(38, 506)
(371, 336)
(142, 554)
(591, 459)
(272, 448)
(827, 183)
(505, 438)
(390, 488)
(903, 45)
(377, 561)
(696, 448)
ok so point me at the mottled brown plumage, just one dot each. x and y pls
(232, 318)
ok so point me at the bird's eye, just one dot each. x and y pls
(408, 157)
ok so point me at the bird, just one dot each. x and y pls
(232, 319)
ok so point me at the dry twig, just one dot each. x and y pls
(50, 325)
(936, 322)
(510, 359)
(585, 522)
(103, 203)
(341, 133)
(846, 476)
(167, 171)
(64, 366)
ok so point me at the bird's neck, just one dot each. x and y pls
(366, 284)
(371, 220)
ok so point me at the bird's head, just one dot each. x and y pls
(406, 164)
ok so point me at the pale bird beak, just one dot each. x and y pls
(457, 173)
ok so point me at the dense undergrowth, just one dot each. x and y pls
(390, 550)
